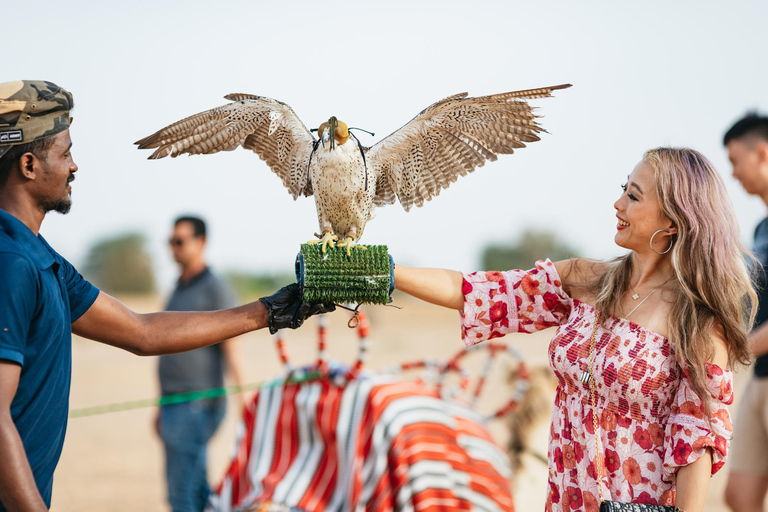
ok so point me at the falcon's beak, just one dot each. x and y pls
(326, 134)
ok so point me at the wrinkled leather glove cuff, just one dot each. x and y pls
(282, 306)
(270, 315)
(285, 310)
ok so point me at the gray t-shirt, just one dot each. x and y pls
(760, 250)
(202, 368)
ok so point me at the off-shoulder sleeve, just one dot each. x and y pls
(497, 303)
(689, 432)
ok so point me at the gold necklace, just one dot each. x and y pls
(635, 296)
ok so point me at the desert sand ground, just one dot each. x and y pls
(113, 462)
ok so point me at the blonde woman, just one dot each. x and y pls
(654, 332)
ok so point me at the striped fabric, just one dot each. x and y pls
(373, 444)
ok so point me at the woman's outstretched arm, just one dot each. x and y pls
(435, 285)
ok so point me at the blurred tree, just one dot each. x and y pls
(121, 265)
(250, 286)
(531, 246)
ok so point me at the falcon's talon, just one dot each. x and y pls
(349, 243)
(328, 239)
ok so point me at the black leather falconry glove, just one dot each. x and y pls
(287, 311)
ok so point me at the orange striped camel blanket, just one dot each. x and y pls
(372, 444)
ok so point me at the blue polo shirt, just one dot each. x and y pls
(41, 294)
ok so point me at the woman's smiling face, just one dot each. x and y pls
(639, 213)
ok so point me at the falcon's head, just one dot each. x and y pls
(334, 131)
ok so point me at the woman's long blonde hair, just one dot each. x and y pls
(714, 284)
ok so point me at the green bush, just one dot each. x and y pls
(120, 265)
(249, 286)
(531, 246)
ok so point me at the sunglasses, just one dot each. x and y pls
(178, 242)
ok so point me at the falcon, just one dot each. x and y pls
(446, 140)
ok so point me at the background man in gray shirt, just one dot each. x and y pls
(185, 428)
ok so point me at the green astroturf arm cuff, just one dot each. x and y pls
(365, 277)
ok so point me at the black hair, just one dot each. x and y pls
(751, 124)
(198, 224)
(39, 148)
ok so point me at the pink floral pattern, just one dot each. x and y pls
(651, 421)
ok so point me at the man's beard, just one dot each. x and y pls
(62, 206)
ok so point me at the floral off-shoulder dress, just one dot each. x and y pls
(651, 421)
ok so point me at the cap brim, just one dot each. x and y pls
(4, 150)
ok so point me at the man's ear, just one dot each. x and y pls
(28, 165)
(761, 148)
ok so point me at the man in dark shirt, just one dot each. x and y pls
(43, 299)
(747, 143)
(185, 428)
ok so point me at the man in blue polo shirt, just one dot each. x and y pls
(43, 299)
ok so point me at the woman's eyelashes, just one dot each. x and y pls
(631, 196)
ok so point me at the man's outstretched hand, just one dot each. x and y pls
(287, 311)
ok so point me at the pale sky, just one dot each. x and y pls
(644, 74)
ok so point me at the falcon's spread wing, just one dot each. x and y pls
(450, 138)
(268, 127)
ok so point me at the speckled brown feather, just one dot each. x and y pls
(268, 127)
(449, 139)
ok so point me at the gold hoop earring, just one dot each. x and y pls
(670, 242)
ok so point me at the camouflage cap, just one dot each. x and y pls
(31, 110)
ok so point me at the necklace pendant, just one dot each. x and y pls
(635, 296)
(586, 376)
